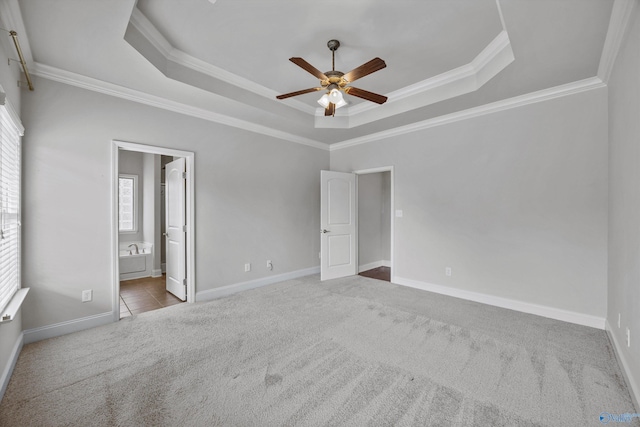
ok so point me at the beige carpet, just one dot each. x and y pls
(352, 351)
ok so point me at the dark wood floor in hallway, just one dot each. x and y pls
(380, 273)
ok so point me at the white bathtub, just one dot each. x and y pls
(135, 266)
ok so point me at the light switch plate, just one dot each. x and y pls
(87, 295)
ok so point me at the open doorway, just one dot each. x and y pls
(153, 221)
(339, 218)
(374, 225)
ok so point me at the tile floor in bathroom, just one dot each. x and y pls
(140, 295)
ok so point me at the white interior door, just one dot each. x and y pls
(338, 225)
(175, 226)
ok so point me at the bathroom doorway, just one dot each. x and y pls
(153, 216)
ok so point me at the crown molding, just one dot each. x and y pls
(467, 78)
(141, 23)
(499, 47)
(515, 102)
(618, 23)
(495, 57)
(95, 85)
(484, 59)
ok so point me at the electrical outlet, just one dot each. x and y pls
(447, 271)
(247, 267)
(269, 264)
(628, 338)
(87, 295)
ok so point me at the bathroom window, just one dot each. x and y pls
(10, 165)
(128, 203)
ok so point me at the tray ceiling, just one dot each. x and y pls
(228, 59)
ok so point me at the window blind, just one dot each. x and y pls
(126, 203)
(10, 165)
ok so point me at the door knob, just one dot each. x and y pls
(325, 231)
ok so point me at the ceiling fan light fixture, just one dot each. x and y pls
(335, 82)
(335, 96)
(340, 103)
(324, 101)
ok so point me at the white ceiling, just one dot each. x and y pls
(227, 61)
(255, 39)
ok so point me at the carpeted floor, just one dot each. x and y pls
(352, 351)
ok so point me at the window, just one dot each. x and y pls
(10, 165)
(128, 203)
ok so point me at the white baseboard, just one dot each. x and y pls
(632, 385)
(369, 266)
(11, 363)
(372, 265)
(133, 276)
(63, 328)
(156, 272)
(224, 291)
(525, 307)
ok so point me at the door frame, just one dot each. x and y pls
(190, 216)
(392, 211)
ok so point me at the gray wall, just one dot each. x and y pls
(514, 202)
(385, 212)
(132, 163)
(151, 201)
(624, 198)
(374, 241)
(257, 198)
(9, 75)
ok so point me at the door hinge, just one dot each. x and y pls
(184, 228)
(184, 282)
(184, 175)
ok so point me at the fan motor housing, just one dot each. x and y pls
(333, 45)
(334, 77)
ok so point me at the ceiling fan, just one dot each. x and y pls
(336, 82)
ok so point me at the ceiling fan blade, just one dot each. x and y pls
(330, 110)
(300, 92)
(308, 67)
(372, 66)
(364, 94)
